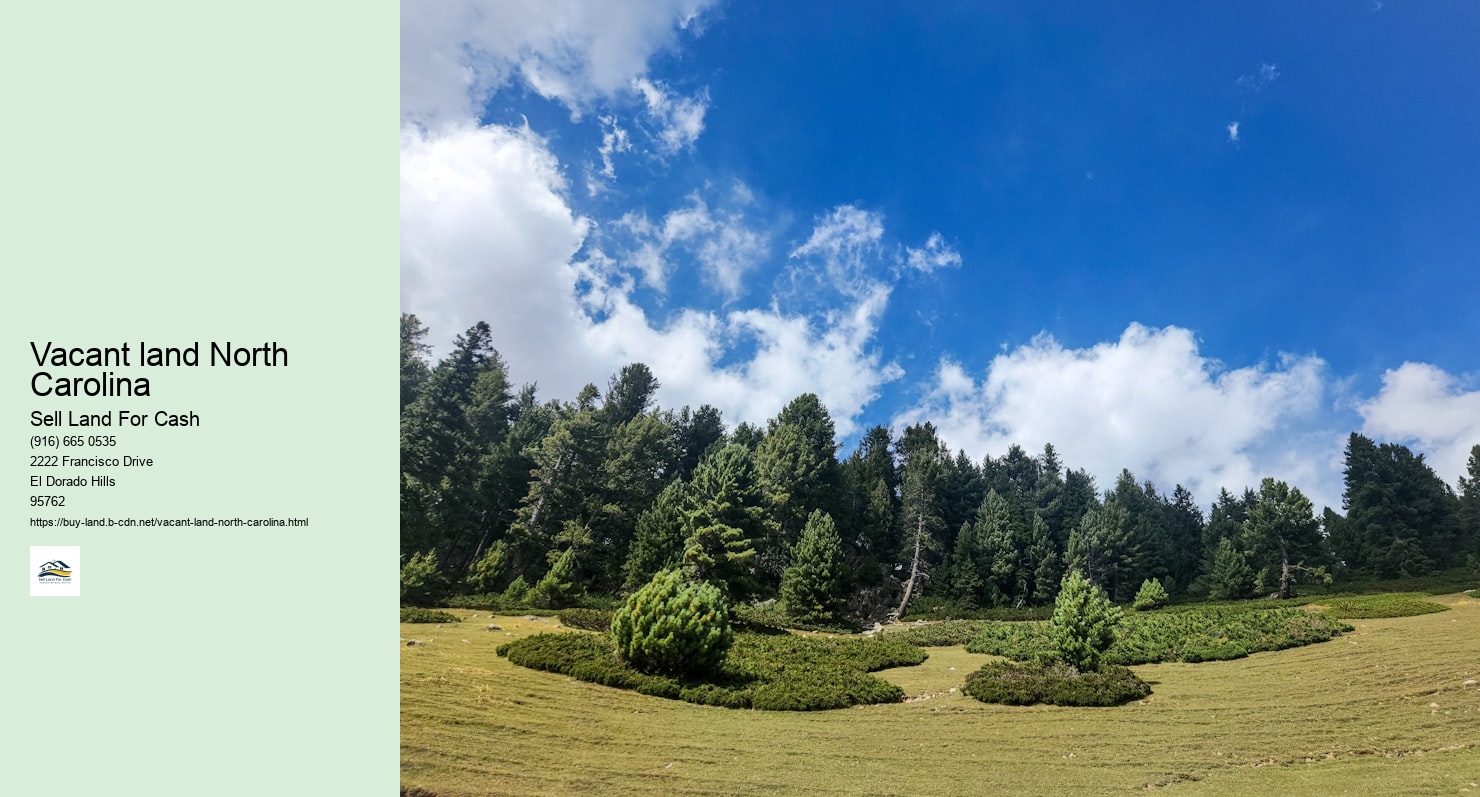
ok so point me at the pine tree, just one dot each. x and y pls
(810, 586)
(673, 626)
(558, 588)
(1084, 623)
(658, 543)
(921, 455)
(723, 516)
(1230, 577)
(965, 585)
(1283, 538)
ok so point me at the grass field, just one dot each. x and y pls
(1382, 710)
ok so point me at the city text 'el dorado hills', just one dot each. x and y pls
(109, 383)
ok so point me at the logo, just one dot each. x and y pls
(56, 570)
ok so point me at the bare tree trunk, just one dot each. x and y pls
(1287, 590)
(909, 586)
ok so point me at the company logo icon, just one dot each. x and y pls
(55, 569)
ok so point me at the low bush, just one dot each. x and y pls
(487, 601)
(414, 615)
(586, 619)
(937, 608)
(772, 616)
(1214, 633)
(938, 635)
(1370, 607)
(1054, 683)
(774, 673)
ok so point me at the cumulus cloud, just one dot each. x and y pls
(1233, 132)
(488, 231)
(455, 55)
(1149, 402)
(678, 120)
(487, 234)
(1428, 408)
(935, 254)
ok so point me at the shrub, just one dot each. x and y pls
(770, 618)
(774, 673)
(673, 626)
(1055, 683)
(516, 594)
(587, 619)
(486, 601)
(933, 607)
(414, 615)
(558, 589)
(1368, 607)
(422, 584)
(1205, 633)
(1083, 624)
(942, 634)
(1152, 595)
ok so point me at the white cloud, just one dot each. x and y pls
(1259, 78)
(679, 120)
(844, 248)
(1427, 407)
(487, 234)
(1233, 132)
(1149, 402)
(454, 55)
(935, 254)
(722, 243)
(614, 140)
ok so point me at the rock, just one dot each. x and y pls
(412, 642)
(495, 627)
(531, 618)
(877, 628)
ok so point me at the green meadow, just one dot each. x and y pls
(1392, 707)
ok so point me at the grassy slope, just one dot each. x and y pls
(1348, 716)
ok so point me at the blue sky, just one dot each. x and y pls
(1203, 243)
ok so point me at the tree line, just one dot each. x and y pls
(553, 503)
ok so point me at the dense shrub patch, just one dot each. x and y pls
(1054, 683)
(941, 634)
(1369, 607)
(1191, 635)
(414, 615)
(775, 673)
(937, 608)
(587, 619)
(771, 616)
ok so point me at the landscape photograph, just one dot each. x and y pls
(939, 399)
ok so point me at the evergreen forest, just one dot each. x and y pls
(509, 500)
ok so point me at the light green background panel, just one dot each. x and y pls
(180, 174)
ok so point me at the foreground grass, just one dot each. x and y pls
(1380, 710)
